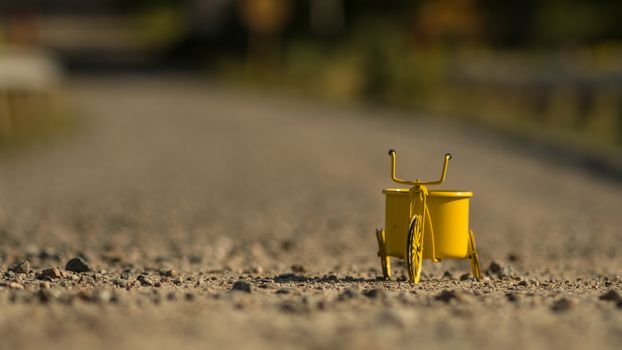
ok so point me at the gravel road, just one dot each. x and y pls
(200, 216)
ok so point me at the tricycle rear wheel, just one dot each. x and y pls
(384, 259)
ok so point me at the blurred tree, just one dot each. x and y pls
(265, 20)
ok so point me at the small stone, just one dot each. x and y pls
(15, 285)
(285, 276)
(195, 259)
(77, 264)
(51, 273)
(500, 271)
(298, 268)
(189, 296)
(562, 305)
(102, 296)
(611, 295)
(448, 275)
(120, 282)
(447, 296)
(465, 277)
(348, 294)
(144, 281)
(494, 267)
(47, 295)
(241, 286)
(511, 297)
(523, 283)
(170, 273)
(87, 280)
(283, 291)
(20, 266)
(293, 307)
(375, 293)
(48, 253)
(44, 285)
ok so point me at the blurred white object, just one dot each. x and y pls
(28, 69)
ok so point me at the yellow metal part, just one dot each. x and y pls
(393, 155)
(446, 228)
(422, 224)
(385, 261)
(475, 268)
(414, 249)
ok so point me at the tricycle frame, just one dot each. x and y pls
(420, 222)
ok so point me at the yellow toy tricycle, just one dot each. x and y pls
(423, 224)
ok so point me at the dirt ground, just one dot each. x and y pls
(211, 217)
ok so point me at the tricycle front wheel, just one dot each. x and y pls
(414, 249)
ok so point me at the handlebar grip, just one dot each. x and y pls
(391, 151)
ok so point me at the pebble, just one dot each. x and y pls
(562, 305)
(87, 280)
(511, 297)
(298, 268)
(170, 273)
(494, 267)
(48, 253)
(51, 273)
(20, 295)
(20, 266)
(447, 296)
(189, 296)
(77, 264)
(348, 294)
(465, 277)
(293, 307)
(96, 296)
(47, 295)
(144, 281)
(375, 293)
(500, 271)
(195, 259)
(523, 283)
(514, 257)
(15, 285)
(283, 291)
(241, 286)
(611, 295)
(120, 282)
(102, 296)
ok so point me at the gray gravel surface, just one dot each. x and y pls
(198, 216)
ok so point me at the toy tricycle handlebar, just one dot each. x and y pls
(393, 155)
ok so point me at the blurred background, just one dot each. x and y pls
(549, 69)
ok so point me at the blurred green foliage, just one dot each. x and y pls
(536, 66)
